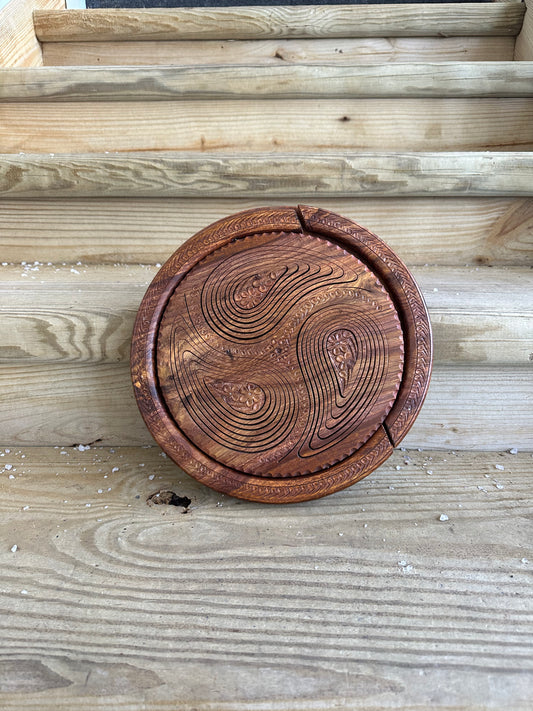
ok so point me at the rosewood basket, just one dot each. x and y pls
(281, 353)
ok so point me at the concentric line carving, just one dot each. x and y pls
(279, 354)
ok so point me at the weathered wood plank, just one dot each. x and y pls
(18, 44)
(452, 19)
(338, 51)
(364, 599)
(293, 81)
(491, 231)
(265, 176)
(85, 314)
(524, 41)
(300, 125)
(469, 408)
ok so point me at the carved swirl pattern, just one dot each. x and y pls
(279, 354)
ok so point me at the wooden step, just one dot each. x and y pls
(293, 81)
(450, 232)
(467, 408)
(363, 50)
(85, 314)
(100, 586)
(344, 126)
(448, 19)
(265, 176)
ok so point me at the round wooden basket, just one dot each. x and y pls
(281, 353)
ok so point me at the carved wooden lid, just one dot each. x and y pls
(281, 353)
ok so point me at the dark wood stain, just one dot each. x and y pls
(281, 353)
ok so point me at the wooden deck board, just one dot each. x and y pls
(269, 126)
(260, 175)
(286, 81)
(367, 50)
(450, 232)
(363, 600)
(85, 314)
(499, 18)
(467, 408)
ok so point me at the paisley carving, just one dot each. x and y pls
(254, 290)
(342, 350)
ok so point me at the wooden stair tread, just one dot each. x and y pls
(263, 176)
(84, 314)
(410, 80)
(114, 579)
(497, 18)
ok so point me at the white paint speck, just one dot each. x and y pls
(513, 450)
(115, 469)
(499, 467)
(14, 548)
(8, 467)
(151, 477)
(87, 506)
(525, 561)
(100, 491)
(23, 592)
(405, 567)
(444, 517)
(499, 486)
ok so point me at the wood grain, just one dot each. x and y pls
(305, 379)
(264, 176)
(308, 126)
(18, 44)
(293, 81)
(500, 18)
(395, 609)
(480, 231)
(55, 315)
(467, 408)
(524, 41)
(271, 52)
